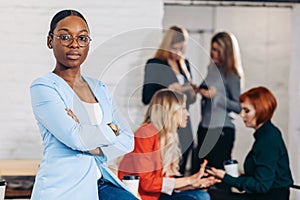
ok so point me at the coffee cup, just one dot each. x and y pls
(2, 189)
(132, 182)
(231, 167)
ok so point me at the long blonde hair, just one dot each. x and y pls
(161, 113)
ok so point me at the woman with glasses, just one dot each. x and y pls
(170, 69)
(80, 124)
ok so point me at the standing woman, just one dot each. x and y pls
(156, 155)
(80, 125)
(220, 96)
(267, 173)
(170, 69)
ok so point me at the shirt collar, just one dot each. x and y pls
(261, 130)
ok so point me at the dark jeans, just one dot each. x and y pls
(109, 191)
(221, 150)
(274, 194)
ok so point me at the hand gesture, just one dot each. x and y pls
(208, 93)
(197, 180)
(218, 173)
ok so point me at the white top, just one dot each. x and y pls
(94, 111)
(95, 114)
(180, 79)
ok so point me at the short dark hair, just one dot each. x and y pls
(61, 15)
(263, 102)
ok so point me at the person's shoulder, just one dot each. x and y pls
(95, 82)
(97, 85)
(146, 131)
(271, 132)
(155, 60)
(187, 62)
(275, 130)
(270, 127)
(43, 80)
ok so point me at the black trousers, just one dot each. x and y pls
(274, 194)
(221, 150)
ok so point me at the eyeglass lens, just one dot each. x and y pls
(66, 39)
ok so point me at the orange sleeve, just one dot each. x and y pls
(145, 160)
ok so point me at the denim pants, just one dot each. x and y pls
(186, 195)
(109, 191)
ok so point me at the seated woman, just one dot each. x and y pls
(155, 158)
(267, 172)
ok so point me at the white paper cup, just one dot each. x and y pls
(2, 189)
(132, 182)
(231, 167)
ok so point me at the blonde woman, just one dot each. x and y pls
(155, 158)
(170, 69)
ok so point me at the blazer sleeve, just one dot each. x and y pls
(49, 109)
(152, 81)
(190, 94)
(234, 92)
(124, 142)
(265, 158)
(148, 164)
(231, 101)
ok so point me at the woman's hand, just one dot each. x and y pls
(197, 180)
(218, 173)
(114, 128)
(206, 182)
(71, 114)
(96, 151)
(201, 171)
(208, 93)
(194, 87)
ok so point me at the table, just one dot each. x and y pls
(19, 167)
(13, 170)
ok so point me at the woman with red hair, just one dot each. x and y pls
(267, 172)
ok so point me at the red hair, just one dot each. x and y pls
(263, 102)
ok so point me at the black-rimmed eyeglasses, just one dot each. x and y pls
(66, 39)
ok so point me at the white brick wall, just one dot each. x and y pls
(24, 56)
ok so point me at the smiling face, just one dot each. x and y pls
(182, 116)
(70, 56)
(248, 114)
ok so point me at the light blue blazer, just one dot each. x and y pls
(67, 170)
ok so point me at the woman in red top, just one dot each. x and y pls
(155, 158)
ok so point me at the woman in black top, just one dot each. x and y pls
(170, 69)
(267, 172)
